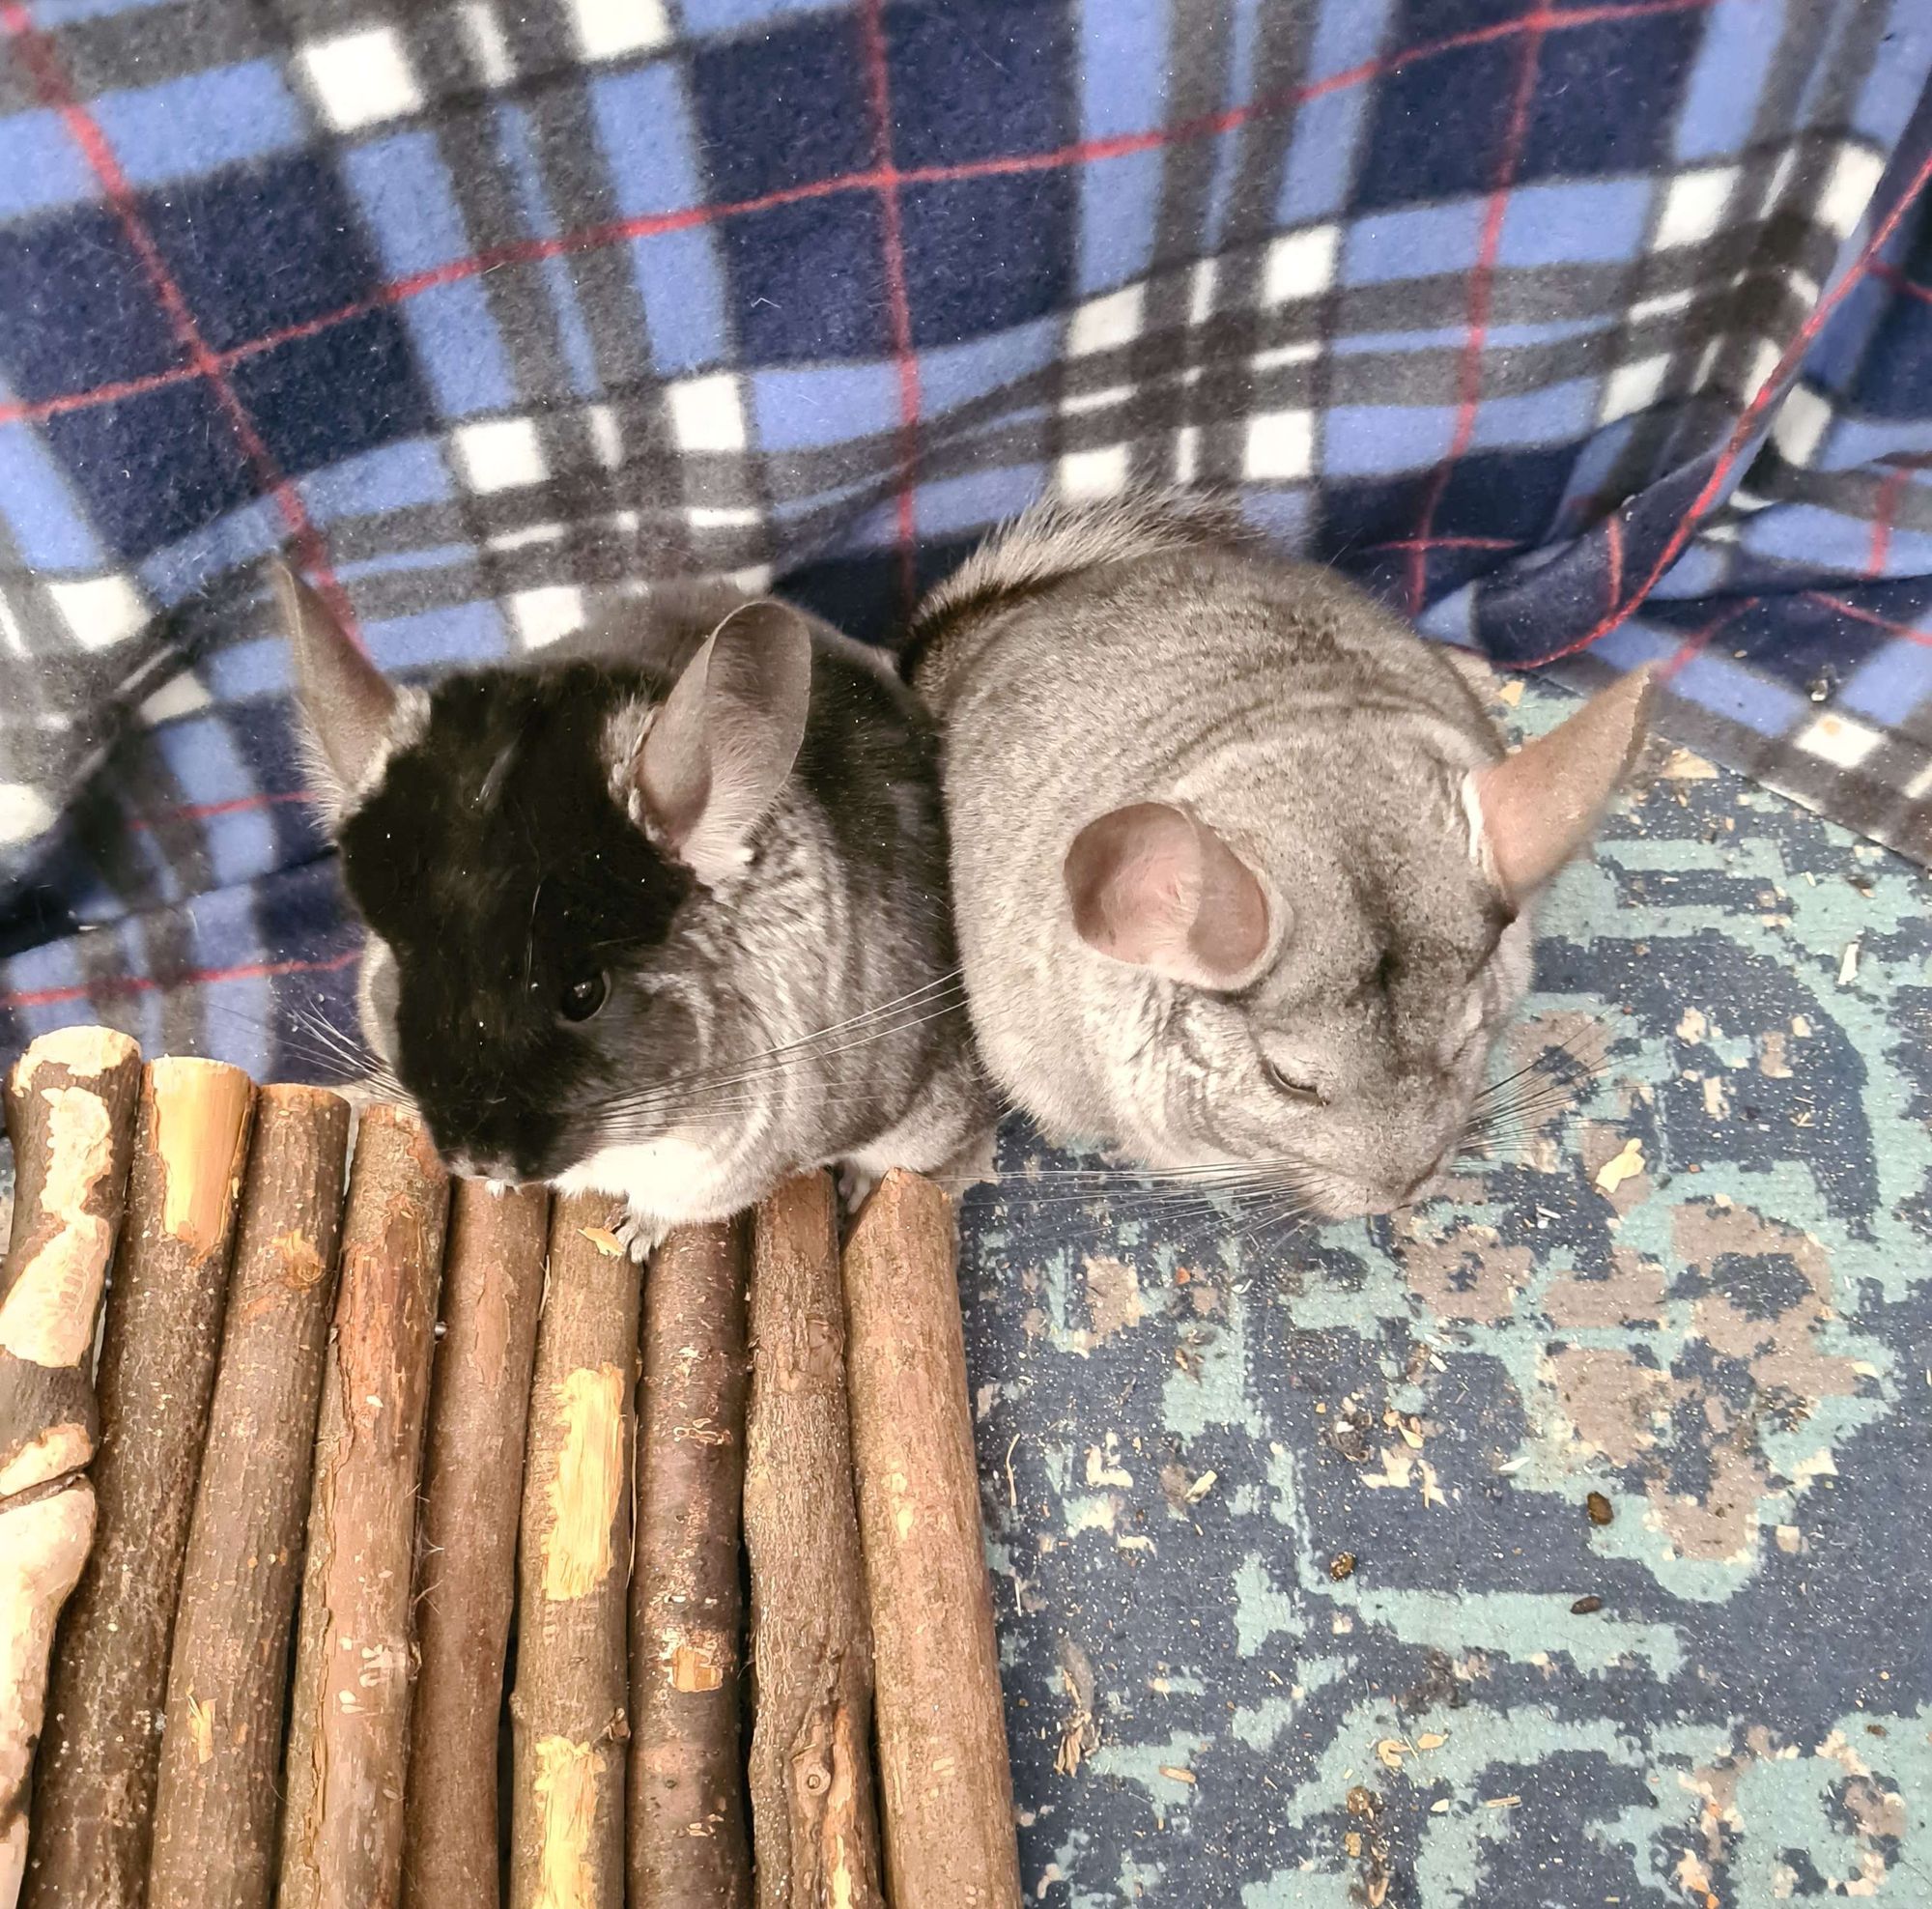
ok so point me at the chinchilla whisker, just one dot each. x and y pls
(776, 1062)
(1112, 1174)
(1532, 1103)
(1288, 1213)
(939, 987)
(1125, 1201)
(313, 1040)
(1129, 1200)
(1251, 1183)
(1547, 1060)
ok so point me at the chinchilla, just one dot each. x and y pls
(1242, 874)
(661, 914)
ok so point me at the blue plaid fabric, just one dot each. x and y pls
(1587, 333)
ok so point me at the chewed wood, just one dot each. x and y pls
(944, 1776)
(342, 1819)
(359, 1421)
(570, 1707)
(99, 1761)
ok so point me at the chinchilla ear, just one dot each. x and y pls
(1542, 805)
(724, 741)
(350, 707)
(1155, 888)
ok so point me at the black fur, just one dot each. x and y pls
(496, 863)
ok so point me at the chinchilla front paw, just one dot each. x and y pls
(639, 1235)
(855, 1188)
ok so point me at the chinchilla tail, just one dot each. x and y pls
(1047, 544)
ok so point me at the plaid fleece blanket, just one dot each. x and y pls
(1588, 331)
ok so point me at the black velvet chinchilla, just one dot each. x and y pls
(660, 914)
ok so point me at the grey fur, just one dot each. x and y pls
(1086, 661)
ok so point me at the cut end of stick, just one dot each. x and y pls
(201, 1129)
(54, 1287)
(86, 1053)
(902, 1200)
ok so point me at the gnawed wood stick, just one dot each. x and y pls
(341, 1817)
(814, 1833)
(100, 1751)
(44, 1540)
(688, 1847)
(492, 1278)
(221, 1752)
(70, 1108)
(569, 1710)
(70, 1116)
(944, 1776)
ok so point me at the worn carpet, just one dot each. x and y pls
(1553, 1544)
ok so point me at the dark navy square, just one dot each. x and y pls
(80, 309)
(809, 280)
(985, 253)
(785, 108)
(978, 79)
(1358, 514)
(1607, 95)
(350, 388)
(1439, 128)
(1424, 22)
(1893, 380)
(151, 469)
(257, 249)
(1796, 640)
(860, 595)
(1505, 494)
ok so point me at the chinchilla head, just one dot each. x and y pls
(1269, 910)
(1327, 1005)
(550, 862)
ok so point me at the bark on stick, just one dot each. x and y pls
(70, 1108)
(44, 1540)
(342, 1814)
(569, 1710)
(70, 1116)
(100, 1752)
(493, 1279)
(688, 1847)
(216, 1810)
(946, 1782)
(814, 1832)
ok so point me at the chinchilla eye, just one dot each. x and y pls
(582, 996)
(1285, 1083)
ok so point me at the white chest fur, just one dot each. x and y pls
(675, 1179)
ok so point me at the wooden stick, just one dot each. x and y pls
(493, 1279)
(43, 1542)
(814, 1835)
(70, 1109)
(943, 1765)
(688, 1847)
(214, 1814)
(567, 1787)
(99, 1756)
(342, 1819)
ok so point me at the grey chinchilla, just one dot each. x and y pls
(661, 913)
(1242, 874)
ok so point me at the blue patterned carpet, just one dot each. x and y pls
(1558, 1544)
